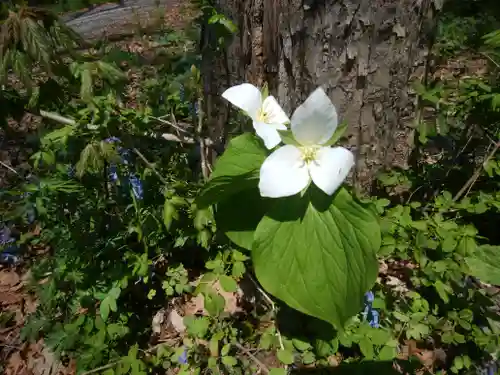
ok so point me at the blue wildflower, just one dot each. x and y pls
(113, 173)
(183, 358)
(112, 140)
(5, 236)
(136, 185)
(369, 296)
(370, 314)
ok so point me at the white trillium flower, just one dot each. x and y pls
(290, 169)
(267, 115)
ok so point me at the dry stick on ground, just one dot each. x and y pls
(472, 180)
(262, 366)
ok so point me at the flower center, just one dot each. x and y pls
(262, 116)
(309, 153)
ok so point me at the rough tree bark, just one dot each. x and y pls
(364, 53)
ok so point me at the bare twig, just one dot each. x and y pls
(9, 167)
(150, 166)
(262, 366)
(273, 308)
(472, 180)
(181, 126)
(167, 136)
(57, 117)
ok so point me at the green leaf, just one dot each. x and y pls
(228, 284)
(366, 347)
(339, 132)
(236, 170)
(214, 303)
(285, 356)
(223, 187)
(239, 215)
(244, 154)
(387, 353)
(229, 361)
(301, 345)
(277, 371)
(170, 213)
(288, 138)
(317, 254)
(485, 264)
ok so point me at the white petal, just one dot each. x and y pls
(283, 173)
(275, 114)
(268, 133)
(245, 96)
(331, 167)
(315, 121)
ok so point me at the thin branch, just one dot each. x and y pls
(273, 308)
(181, 126)
(189, 140)
(167, 136)
(262, 366)
(9, 167)
(472, 180)
(150, 165)
(57, 117)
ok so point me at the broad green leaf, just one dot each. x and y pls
(236, 170)
(317, 254)
(366, 347)
(244, 154)
(277, 371)
(485, 264)
(239, 215)
(387, 353)
(223, 187)
(228, 284)
(285, 356)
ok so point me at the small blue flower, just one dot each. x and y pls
(5, 236)
(125, 155)
(113, 173)
(369, 296)
(369, 313)
(112, 140)
(183, 358)
(374, 321)
(9, 258)
(136, 185)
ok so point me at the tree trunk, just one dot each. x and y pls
(364, 53)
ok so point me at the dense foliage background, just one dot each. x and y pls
(130, 276)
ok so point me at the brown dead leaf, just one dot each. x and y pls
(8, 298)
(8, 279)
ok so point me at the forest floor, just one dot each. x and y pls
(127, 25)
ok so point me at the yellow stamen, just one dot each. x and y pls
(308, 154)
(262, 116)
